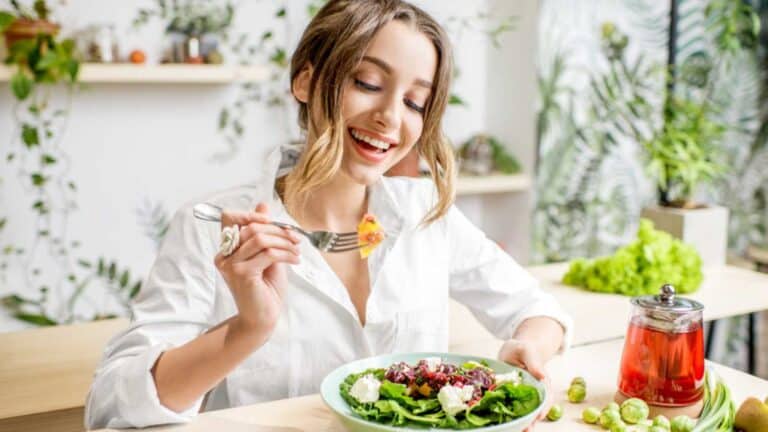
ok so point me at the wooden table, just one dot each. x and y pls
(597, 363)
(726, 291)
(45, 374)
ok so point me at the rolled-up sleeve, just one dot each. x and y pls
(172, 308)
(497, 290)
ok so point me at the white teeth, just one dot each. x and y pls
(372, 141)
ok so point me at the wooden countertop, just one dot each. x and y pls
(597, 363)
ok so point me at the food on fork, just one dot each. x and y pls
(369, 235)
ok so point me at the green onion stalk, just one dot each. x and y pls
(719, 411)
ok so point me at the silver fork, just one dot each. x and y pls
(326, 241)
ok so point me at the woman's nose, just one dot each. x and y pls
(387, 114)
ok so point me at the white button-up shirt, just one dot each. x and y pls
(412, 274)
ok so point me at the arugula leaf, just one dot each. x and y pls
(524, 398)
(410, 416)
(396, 392)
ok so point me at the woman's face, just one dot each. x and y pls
(384, 100)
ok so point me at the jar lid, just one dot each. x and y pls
(667, 301)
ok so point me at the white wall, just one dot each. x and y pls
(132, 143)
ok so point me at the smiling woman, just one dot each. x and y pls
(273, 317)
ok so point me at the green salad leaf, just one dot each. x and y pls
(396, 407)
(641, 267)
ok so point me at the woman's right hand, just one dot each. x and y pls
(255, 272)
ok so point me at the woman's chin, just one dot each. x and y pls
(363, 175)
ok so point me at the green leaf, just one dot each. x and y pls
(49, 61)
(38, 179)
(14, 302)
(279, 57)
(124, 279)
(21, 85)
(223, 118)
(112, 271)
(73, 69)
(135, 290)
(47, 159)
(40, 207)
(37, 319)
(29, 135)
(280, 13)
(3, 221)
(83, 263)
(6, 19)
(456, 100)
(100, 267)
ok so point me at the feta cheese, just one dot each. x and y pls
(433, 363)
(453, 399)
(366, 389)
(512, 377)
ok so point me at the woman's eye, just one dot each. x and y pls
(414, 106)
(365, 86)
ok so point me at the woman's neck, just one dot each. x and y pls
(335, 206)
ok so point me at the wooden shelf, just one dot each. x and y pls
(126, 73)
(497, 183)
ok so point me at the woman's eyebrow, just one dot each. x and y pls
(388, 69)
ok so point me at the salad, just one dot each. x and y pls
(433, 394)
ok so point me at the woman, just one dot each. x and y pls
(271, 319)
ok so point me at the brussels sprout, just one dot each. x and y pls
(634, 410)
(682, 424)
(618, 426)
(613, 406)
(608, 417)
(579, 381)
(661, 421)
(657, 429)
(591, 415)
(647, 423)
(577, 393)
(555, 413)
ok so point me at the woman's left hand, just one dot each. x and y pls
(525, 355)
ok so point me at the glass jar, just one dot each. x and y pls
(663, 358)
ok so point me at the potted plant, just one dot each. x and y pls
(683, 154)
(39, 57)
(188, 23)
(23, 23)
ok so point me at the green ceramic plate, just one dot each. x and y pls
(329, 390)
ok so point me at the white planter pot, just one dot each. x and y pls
(706, 229)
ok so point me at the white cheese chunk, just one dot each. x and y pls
(366, 389)
(512, 377)
(453, 399)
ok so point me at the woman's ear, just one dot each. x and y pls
(300, 85)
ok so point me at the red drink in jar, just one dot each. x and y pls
(663, 368)
(663, 358)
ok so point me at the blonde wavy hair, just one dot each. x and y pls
(334, 43)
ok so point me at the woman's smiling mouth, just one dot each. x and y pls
(369, 147)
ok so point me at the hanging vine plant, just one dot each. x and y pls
(42, 62)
